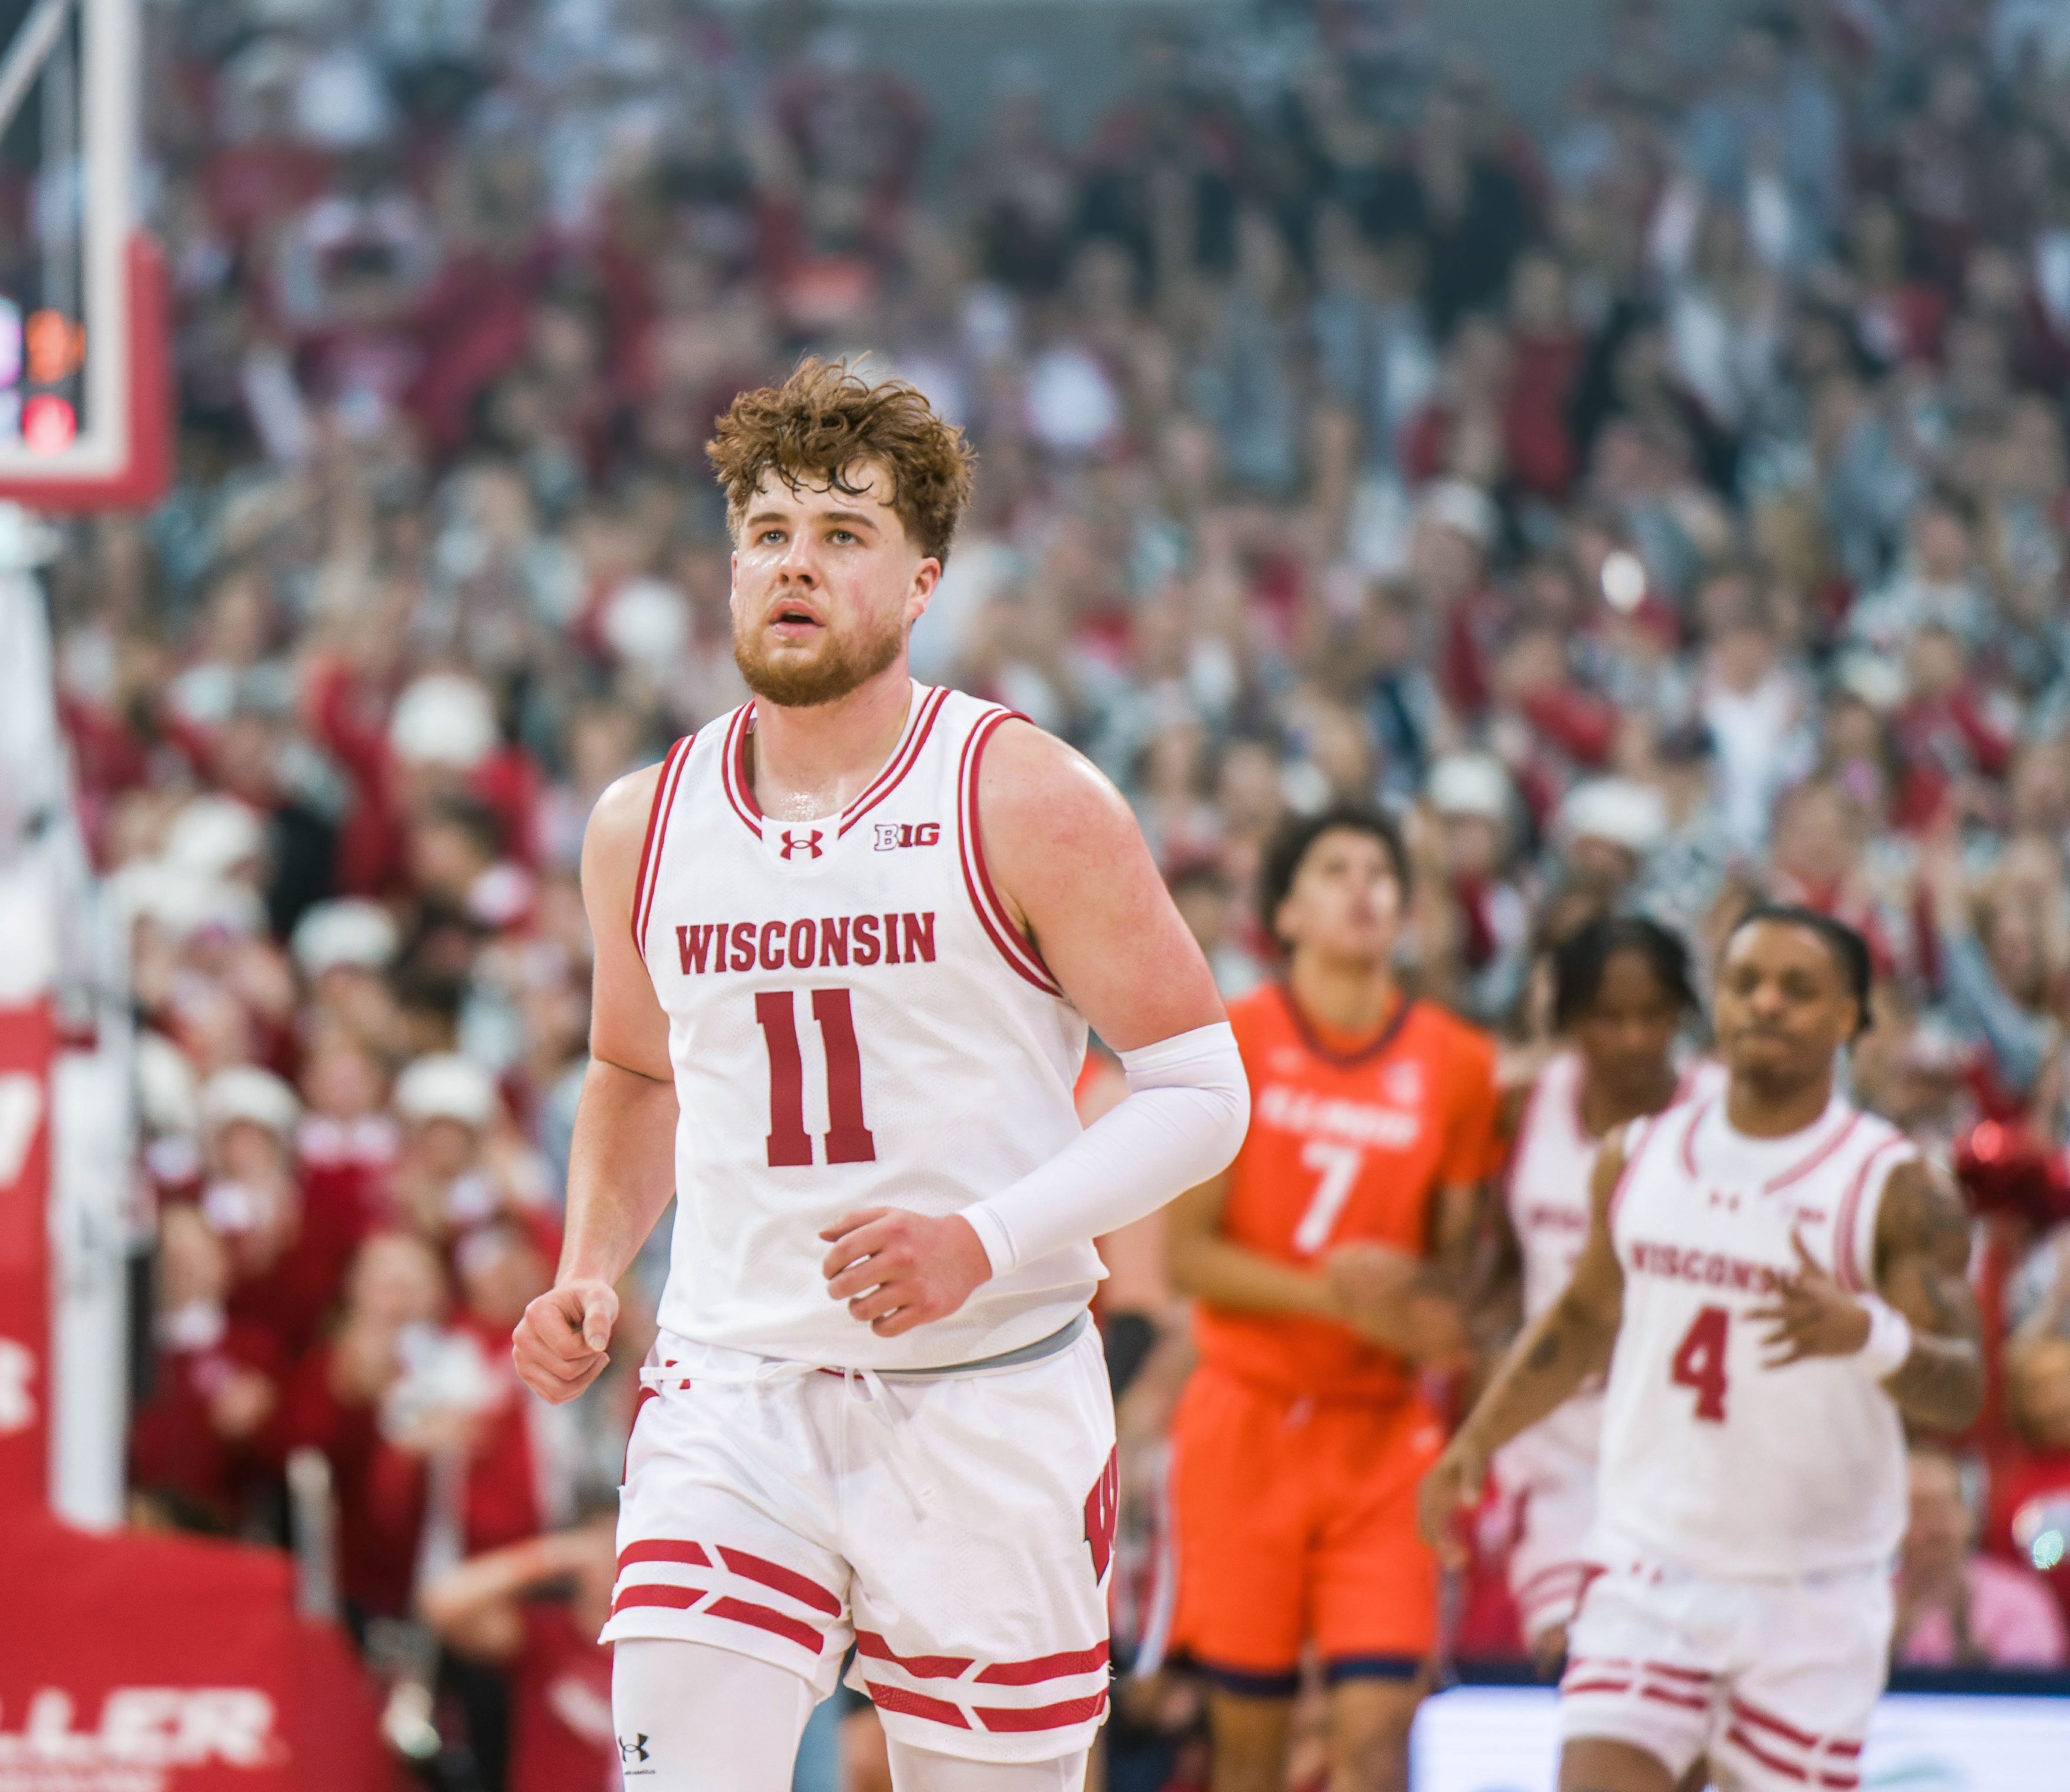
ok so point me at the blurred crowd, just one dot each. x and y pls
(1665, 503)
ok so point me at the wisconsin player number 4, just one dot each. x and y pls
(1699, 1362)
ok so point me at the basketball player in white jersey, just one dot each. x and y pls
(849, 940)
(1775, 1282)
(1621, 992)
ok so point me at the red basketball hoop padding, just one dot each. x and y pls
(178, 1661)
(145, 478)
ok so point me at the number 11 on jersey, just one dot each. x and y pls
(848, 1138)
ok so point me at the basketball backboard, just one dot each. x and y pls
(84, 407)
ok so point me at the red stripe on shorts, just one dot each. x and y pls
(1739, 1738)
(795, 1630)
(1688, 1701)
(679, 1598)
(915, 1704)
(1768, 1720)
(782, 1580)
(1045, 1667)
(1043, 1717)
(1567, 1691)
(661, 1549)
(1569, 1572)
(1694, 1673)
(921, 1667)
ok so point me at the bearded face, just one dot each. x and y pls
(826, 587)
(792, 656)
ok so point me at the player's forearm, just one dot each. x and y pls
(1456, 1238)
(1941, 1383)
(473, 1607)
(1494, 1307)
(460, 1593)
(1494, 1299)
(1184, 1119)
(621, 1170)
(1550, 1363)
(1228, 1275)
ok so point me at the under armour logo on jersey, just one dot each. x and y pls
(634, 1750)
(809, 845)
(892, 834)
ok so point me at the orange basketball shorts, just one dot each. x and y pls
(1294, 1521)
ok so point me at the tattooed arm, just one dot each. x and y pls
(1570, 1341)
(1922, 1259)
(1922, 1270)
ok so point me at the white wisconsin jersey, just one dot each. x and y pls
(1710, 1460)
(1548, 1191)
(854, 1022)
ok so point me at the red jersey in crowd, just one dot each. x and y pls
(561, 1734)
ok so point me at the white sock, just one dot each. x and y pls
(692, 1718)
(923, 1770)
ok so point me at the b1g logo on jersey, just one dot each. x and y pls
(891, 835)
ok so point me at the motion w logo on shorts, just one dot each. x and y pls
(1103, 1507)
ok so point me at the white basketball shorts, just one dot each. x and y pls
(956, 1530)
(1552, 1495)
(1774, 1680)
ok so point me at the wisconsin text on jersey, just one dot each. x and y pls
(1711, 1268)
(893, 937)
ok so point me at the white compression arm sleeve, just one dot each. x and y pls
(1188, 1107)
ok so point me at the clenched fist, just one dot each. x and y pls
(897, 1270)
(559, 1345)
(1388, 1298)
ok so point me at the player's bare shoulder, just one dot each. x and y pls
(1049, 817)
(1923, 1216)
(1473, 1051)
(621, 813)
(1062, 849)
(617, 826)
(1035, 790)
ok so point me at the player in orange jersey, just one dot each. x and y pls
(1327, 1263)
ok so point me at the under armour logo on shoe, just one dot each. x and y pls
(634, 1750)
(809, 845)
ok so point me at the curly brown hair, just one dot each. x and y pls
(825, 425)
